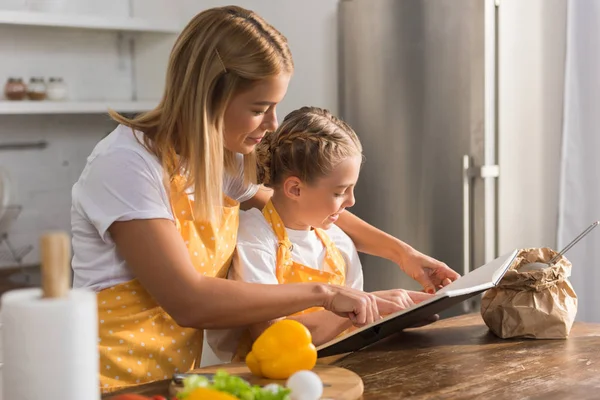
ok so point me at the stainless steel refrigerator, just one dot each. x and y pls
(418, 84)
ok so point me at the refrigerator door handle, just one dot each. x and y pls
(467, 212)
(468, 175)
(470, 172)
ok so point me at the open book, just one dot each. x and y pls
(473, 283)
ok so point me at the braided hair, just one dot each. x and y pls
(308, 144)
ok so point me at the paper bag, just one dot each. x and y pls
(539, 304)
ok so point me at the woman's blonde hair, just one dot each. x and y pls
(308, 144)
(221, 52)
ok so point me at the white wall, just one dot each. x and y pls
(532, 38)
(96, 65)
(43, 178)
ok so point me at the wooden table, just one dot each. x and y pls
(458, 358)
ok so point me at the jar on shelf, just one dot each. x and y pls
(36, 90)
(56, 90)
(15, 89)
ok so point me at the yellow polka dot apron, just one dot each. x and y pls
(289, 271)
(138, 341)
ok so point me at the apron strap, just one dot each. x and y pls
(333, 256)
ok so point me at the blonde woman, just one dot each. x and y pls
(312, 163)
(155, 211)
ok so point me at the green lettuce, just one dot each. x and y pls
(233, 385)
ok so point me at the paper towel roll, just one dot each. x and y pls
(50, 346)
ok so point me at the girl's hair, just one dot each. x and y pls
(221, 52)
(308, 144)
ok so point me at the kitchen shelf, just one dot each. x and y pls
(73, 107)
(27, 18)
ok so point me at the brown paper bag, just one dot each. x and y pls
(533, 304)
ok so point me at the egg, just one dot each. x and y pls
(305, 385)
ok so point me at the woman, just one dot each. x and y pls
(155, 211)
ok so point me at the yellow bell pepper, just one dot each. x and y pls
(209, 394)
(281, 350)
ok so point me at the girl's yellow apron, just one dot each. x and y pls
(138, 341)
(289, 271)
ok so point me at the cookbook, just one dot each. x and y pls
(467, 286)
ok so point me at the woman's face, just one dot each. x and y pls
(251, 113)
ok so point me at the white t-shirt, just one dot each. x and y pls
(255, 259)
(256, 252)
(121, 181)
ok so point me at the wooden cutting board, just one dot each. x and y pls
(339, 383)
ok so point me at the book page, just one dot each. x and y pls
(483, 277)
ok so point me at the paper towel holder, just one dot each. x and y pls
(55, 250)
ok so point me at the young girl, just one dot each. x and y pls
(312, 163)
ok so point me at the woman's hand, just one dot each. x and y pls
(429, 272)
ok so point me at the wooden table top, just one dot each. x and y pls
(458, 358)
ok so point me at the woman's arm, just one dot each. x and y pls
(366, 237)
(371, 240)
(158, 258)
(259, 200)
(429, 272)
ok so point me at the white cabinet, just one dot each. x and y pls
(110, 57)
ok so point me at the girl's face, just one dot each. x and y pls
(320, 204)
(251, 113)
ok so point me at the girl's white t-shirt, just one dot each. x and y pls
(255, 259)
(122, 181)
(256, 252)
